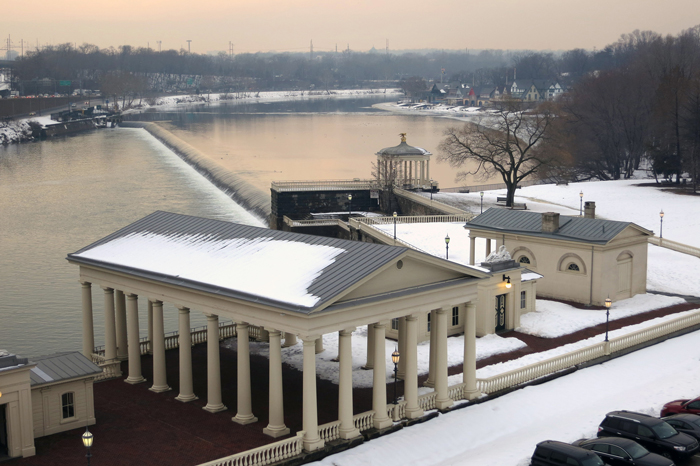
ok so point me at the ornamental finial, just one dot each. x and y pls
(403, 137)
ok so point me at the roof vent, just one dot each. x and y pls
(550, 222)
(589, 209)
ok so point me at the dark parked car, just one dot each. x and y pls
(681, 406)
(551, 452)
(618, 451)
(651, 432)
(686, 423)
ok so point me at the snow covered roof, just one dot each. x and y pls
(403, 149)
(11, 361)
(288, 270)
(61, 366)
(588, 230)
(527, 275)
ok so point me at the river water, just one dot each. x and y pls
(59, 195)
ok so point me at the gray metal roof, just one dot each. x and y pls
(587, 230)
(358, 260)
(403, 149)
(60, 367)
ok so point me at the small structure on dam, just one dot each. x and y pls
(302, 203)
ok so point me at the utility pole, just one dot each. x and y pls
(230, 49)
(189, 41)
(311, 51)
(159, 42)
(22, 45)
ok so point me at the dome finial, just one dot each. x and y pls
(403, 137)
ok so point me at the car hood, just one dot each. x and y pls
(681, 439)
(674, 403)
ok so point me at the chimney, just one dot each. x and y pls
(589, 209)
(550, 222)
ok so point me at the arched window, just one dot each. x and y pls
(573, 267)
(572, 263)
(524, 260)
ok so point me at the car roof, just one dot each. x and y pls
(639, 417)
(572, 450)
(683, 416)
(619, 441)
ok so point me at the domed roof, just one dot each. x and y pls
(403, 149)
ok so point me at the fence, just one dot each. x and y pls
(330, 222)
(674, 245)
(267, 454)
(323, 185)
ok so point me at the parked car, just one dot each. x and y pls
(618, 451)
(551, 452)
(681, 406)
(686, 423)
(651, 432)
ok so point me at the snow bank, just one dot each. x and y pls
(16, 131)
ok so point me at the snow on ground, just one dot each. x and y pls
(15, 131)
(504, 431)
(328, 369)
(553, 319)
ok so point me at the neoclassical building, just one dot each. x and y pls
(582, 259)
(404, 165)
(293, 286)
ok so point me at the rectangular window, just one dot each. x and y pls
(455, 316)
(523, 300)
(428, 321)
(395, 324)
(68, 405)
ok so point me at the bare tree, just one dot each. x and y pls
(503, 143)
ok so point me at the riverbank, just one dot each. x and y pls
(15, 131)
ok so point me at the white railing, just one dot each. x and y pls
(326, 222)
(674, 245)
(329, 432)
(110, 369)
(451, 218)
(323, 185)
(364, 421)
(427, 401)
(650, 333)
(437, 205)
(264, 455)
(379, 235)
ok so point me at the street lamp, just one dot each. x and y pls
(580, 209)
(482, 201)
(395, 356)
(447, 246)
(432, 188)
(608, 303)
(395, 215)
(87, 441)
(349, 206)
(661, 228)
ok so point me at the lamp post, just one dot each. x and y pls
(447, 246)
(608, 303)
(431, 190)
(395, 356)
(482, 201)
(87, 441)
(395, 215)
(661, 228)
(349, 206)
(580, 208)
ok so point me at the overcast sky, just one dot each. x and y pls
(289, 25)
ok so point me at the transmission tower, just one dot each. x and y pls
(189, 41)
(159, 42)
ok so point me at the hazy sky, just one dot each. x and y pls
(289, 25)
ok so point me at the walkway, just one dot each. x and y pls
(136, 426)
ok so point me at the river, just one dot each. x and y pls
(59, 195)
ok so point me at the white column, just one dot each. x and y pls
(402, 347)
(312, 441)
(185, 350)
(276, 427)
(120, 314)
(381, 418)
(245, 404)
(488, 246)
(110, 330)
(410, 381)
(472, 248)
(88, 326)
(370, 348)
(289, 339)
(469, 366)
(319, 345)
(160, 381)
(132, 309)
(150, 327)
(347, 429)
(214, 403)
(431, 358)
(442, 400)
(427, 170)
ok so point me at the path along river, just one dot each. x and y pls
(59, 195)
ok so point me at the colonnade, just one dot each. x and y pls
(122, 342)
(472, 246)
(408, 171)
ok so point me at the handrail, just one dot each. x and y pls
(449, 218)
(267, 454)
(323, 185)
(326, 222)
(674, 245)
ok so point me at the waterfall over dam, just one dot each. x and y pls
(240, 190)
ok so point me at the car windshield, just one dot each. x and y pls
(664, 430)
(592, 461)
(636, 451)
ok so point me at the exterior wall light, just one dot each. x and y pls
(507, 280)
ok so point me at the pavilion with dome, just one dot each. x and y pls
(404, 165)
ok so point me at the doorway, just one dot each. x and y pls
(4, 448)
(500, 313)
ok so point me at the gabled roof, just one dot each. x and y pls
(586, 230)
(290, 271)
(61, 367)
